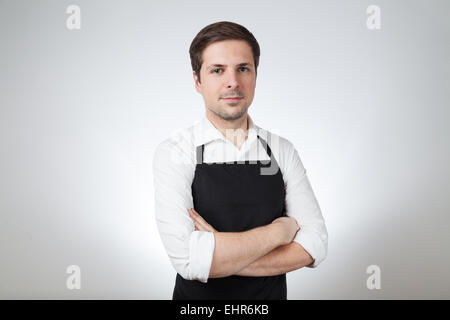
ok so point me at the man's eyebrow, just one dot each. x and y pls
(224, 65)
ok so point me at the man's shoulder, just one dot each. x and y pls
(283, 150)
(277, 143)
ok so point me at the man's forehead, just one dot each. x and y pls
(227, 49)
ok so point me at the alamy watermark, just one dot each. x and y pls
(183, 140)
(374, 280)
(73, 21)
(374, 20)
(74, 280)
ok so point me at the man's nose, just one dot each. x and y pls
(232, 80)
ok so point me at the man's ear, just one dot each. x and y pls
(197, 83)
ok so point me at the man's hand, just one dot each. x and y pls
(289, 228)
(199, 222)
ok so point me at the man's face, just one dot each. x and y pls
(227, 71)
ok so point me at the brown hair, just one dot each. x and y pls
(219, 31)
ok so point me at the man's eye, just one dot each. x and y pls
(217, 70)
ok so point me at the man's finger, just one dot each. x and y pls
(202, 223)
(198, 223)
(198, 219)
(200, 227)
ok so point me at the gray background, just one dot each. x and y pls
(82, 112)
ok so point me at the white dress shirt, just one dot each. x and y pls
(174, 162)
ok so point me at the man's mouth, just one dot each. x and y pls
(232, 99)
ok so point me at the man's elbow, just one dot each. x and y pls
(315, 246)
(309, 260)
(197, 263)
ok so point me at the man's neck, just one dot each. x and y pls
(235, 131)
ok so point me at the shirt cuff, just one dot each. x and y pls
(201, 250)
(314, 243)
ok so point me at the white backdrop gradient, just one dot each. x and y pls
(81, 112)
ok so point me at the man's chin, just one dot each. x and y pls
(233, 115)
(228, 113)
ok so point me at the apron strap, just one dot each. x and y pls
(199, 152)
(266, 147)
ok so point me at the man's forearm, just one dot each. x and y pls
(235, 250)
(281, 260)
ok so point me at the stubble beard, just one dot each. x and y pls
(226, 116)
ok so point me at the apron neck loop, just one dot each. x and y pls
(201, 149)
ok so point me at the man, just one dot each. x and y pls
(234, 206)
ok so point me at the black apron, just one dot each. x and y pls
(236, 197)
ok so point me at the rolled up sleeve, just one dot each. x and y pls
(302, 204)
(189, 251)
(201, 248)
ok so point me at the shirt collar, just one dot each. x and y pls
(205, 132)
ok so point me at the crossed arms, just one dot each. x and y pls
(263, 251)
(200, 253)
